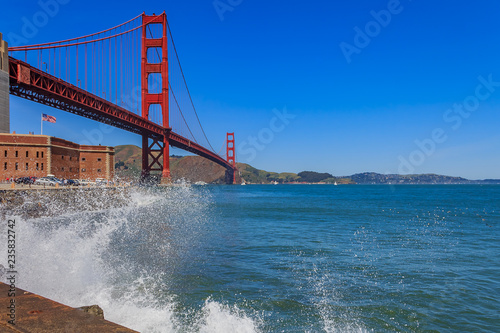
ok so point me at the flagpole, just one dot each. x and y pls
(41, 124)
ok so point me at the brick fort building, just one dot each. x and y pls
(30, 155)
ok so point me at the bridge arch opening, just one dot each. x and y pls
(154, 55)
(155, 113)
(155, 83)
(154, 30)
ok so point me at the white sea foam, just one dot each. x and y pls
(223, 318)
(120, 259)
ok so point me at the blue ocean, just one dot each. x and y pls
(277, 258)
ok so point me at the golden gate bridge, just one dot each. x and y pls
(123, 77)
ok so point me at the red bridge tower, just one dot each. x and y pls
(231, 158)
(154, 149)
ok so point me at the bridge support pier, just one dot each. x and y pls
(165, 174)
(229, 176)
(155, 158)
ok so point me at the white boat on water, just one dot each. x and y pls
(243, 183)
(335, 183)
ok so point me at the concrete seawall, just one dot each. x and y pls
(29, 312)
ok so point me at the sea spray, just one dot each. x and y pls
(122, 256)
(217, 317)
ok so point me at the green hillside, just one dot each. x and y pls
(195, 168)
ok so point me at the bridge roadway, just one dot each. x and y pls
(33, 84)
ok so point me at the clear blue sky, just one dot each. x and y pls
(362, 112)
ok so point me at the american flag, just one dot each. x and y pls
(50, 119)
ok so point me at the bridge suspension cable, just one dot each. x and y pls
(37, 46)
(105, 64)
(185, 84)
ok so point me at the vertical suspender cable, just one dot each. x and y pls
(116, 71)
(109, 97)
(102, 71)
(85, 67)
(121, 70)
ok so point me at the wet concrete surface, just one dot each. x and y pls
(36, 314)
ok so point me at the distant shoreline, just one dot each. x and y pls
(353, 184)
(195, 168)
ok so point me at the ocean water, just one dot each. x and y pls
(276, 258)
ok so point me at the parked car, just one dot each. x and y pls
(57, 180)
(25, 180)
(72, 182)
(51, 181)
(45, 181)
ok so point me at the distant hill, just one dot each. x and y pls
(128, 161)
(195, 168)
(255, 176)
(313, 177)
(128, 164)
(488, 181)
(376, 178)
